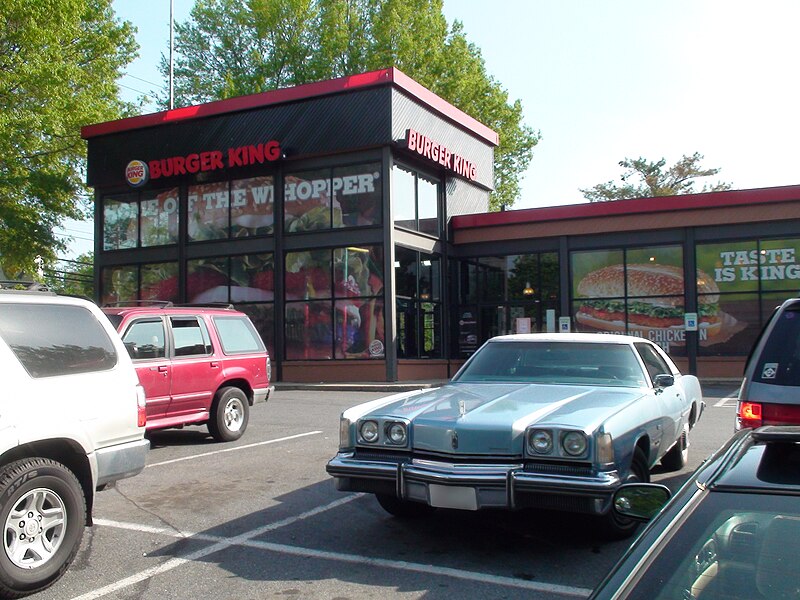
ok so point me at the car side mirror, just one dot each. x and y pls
(640, 501)
(663, 380)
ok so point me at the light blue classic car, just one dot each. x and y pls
(555, 421)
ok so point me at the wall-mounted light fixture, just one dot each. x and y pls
(528, 291)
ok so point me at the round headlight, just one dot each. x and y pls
(397, 433)
(540, 441)
(369, 431)
(574, 443)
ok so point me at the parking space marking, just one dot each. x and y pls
(246, 540)
(722, 402)
(283, 439)
(220, 544)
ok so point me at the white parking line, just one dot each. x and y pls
(722, 402)
(245, 539)
(283, 439)
(221, 544)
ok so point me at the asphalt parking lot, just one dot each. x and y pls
(260, 518)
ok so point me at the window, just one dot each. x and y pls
(739, 283)
(415, 199)
(638, 291)
(241, 278)
(419, 311)
(334, 303)
(652, 361)
(128, 283)
(145, 339)
(46, 348)
(190, 337)
(140, 220)
(504, 294)
(237, 335)
(349, 196)
(208, 211)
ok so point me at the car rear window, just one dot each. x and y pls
(779, 360)
(51, 339)
(238, 335)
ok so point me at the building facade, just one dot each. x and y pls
(349, 219)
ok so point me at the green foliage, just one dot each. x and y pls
(231, 48)
(644, 179)
(73, 277)
(59, 61)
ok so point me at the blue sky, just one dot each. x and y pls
(607, 80)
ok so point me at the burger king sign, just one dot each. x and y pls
(136, 173)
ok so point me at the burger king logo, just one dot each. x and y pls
(136, 173)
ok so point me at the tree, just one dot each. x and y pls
(231, 48)
(59, 61)
(644, 179)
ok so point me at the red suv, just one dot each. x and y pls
(198, 365)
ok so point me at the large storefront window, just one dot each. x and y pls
(743, 281)
(416, 200)
(129, 283)
(638, 291)
(419, 310)
(334, 303)
(331, 198)
(244, 278)
(140, 220)
(499, 295)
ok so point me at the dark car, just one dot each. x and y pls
(770, 391)
(731, 532)
(198, 365)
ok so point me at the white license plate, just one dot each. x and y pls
(447, 496)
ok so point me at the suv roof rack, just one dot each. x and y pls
(25, 286)
(207, 305)
(121, 303)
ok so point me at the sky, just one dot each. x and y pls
(604, 81)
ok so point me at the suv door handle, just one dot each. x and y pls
(214, 364)
(163, 369)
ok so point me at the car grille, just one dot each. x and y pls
(575, 469)
(572, 504)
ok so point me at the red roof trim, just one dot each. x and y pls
(627, 207)
(300, 92)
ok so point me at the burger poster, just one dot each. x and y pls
(641, 292)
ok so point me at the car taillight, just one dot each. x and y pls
(141, 407)
(748, 414)
(269, 369)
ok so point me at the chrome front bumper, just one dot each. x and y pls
(493, 486)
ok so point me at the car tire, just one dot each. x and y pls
(677, 457)
(616, 527)
(44, 502)
(230, 414)
(403, 509)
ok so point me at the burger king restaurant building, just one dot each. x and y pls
(349, 219)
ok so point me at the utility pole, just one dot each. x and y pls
(171, 44)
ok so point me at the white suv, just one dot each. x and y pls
(72, 420)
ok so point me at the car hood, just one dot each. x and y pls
(489, 418)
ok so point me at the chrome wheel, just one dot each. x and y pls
(34, 528)
(233, 414)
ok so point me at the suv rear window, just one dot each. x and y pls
(779, 362)
(238, 335)
(50, 339)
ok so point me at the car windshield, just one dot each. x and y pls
(572, 363)
(732, 546)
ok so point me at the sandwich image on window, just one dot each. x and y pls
(654, 296)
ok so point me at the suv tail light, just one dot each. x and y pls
(269, 370)
(748, 414)
(141, 407)
(756, 414)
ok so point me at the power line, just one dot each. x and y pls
(127, 87)
(158, 85)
